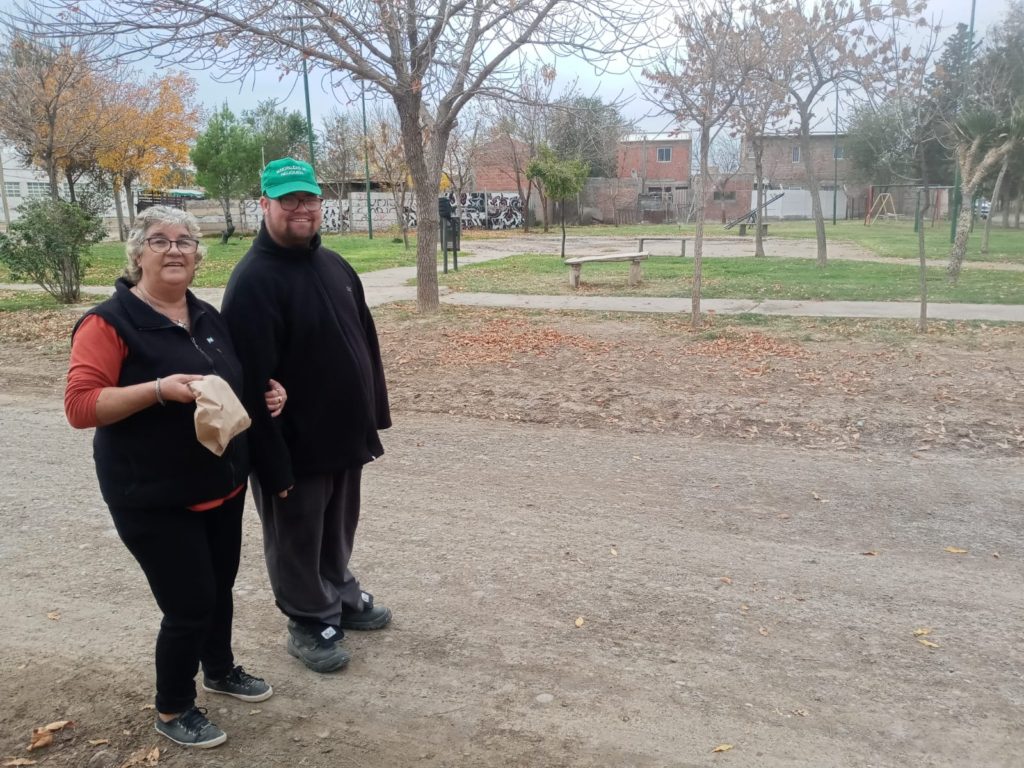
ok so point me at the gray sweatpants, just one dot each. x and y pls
(307, 542)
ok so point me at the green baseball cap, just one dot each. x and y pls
(287, 175)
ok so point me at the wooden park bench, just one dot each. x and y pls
(682, 242)
(744, 225)
(636, 272)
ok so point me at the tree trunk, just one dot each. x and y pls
(759, 181)
(544, 209)
(561, 207)
(996, 191)
(1020, 207)
(812, 186)
(119, 210)
(959, 249)
(127, 183)
(229, 224)
(71, 186)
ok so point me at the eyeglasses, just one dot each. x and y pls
(291, 203)
(186, 245)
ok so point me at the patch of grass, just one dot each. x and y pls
(895, 239)
(106, 260)
(741, 278)
(15, 301)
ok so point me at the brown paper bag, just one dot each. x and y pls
(219, 413)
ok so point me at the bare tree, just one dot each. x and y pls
(762, 106)
(520, 129)
(429, 58)
(829, 43)
(54, 104)
(388, 160)
(698, 82)
(342, 150)
(464, 148)
(724, 163)
(983, 141)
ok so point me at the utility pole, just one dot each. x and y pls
(835, 160)
(366, 159)
(305, 86)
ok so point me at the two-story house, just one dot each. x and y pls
(785, 168)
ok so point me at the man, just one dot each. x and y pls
(297, 313)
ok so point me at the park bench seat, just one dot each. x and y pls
(635, 269)
(681, 240)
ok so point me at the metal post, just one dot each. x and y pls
(835, 162)
(366, 159)
(957, 194)
(305, 86)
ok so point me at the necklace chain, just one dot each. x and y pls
(145, 298)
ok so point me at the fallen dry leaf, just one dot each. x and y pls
(955, 551)
(579, 621)
(255, 711)
(614, 551)
(40, 738)
(722, 748)
(53, 615)
(801, 712)
(98, 742)
(43, 737)
(927, 643)
(14, 761)
(870, 553)
(725, 580)
(142, 757)
(921, 631)
(763, 631)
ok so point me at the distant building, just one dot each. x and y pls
(22, 183)
(784, 168)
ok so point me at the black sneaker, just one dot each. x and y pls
(370, 617)
(192, 729)
(240, 684)
(316, 646)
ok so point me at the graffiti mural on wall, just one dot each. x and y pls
(480, 210)
(348, 215)
(494, 210)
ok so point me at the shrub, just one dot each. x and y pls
(49, 244)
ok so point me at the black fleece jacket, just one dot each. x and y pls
(299, 315)
(153, 458)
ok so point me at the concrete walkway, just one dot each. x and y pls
(389, 285)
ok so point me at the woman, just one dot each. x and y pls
(176, 505)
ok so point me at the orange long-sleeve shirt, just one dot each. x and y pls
(96, 357)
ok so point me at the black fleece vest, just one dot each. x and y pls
(152, 458)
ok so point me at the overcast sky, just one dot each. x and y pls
(290, 95)
(289, 91)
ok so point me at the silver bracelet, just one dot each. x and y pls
(159, 395)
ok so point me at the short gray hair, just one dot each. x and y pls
(146, 220)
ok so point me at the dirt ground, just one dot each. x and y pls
(607, 540)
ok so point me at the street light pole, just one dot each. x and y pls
(366, 159)
(835, 161)
(957, 201)
(305, 85)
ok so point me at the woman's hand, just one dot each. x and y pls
(275, 397)
(175, 388)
